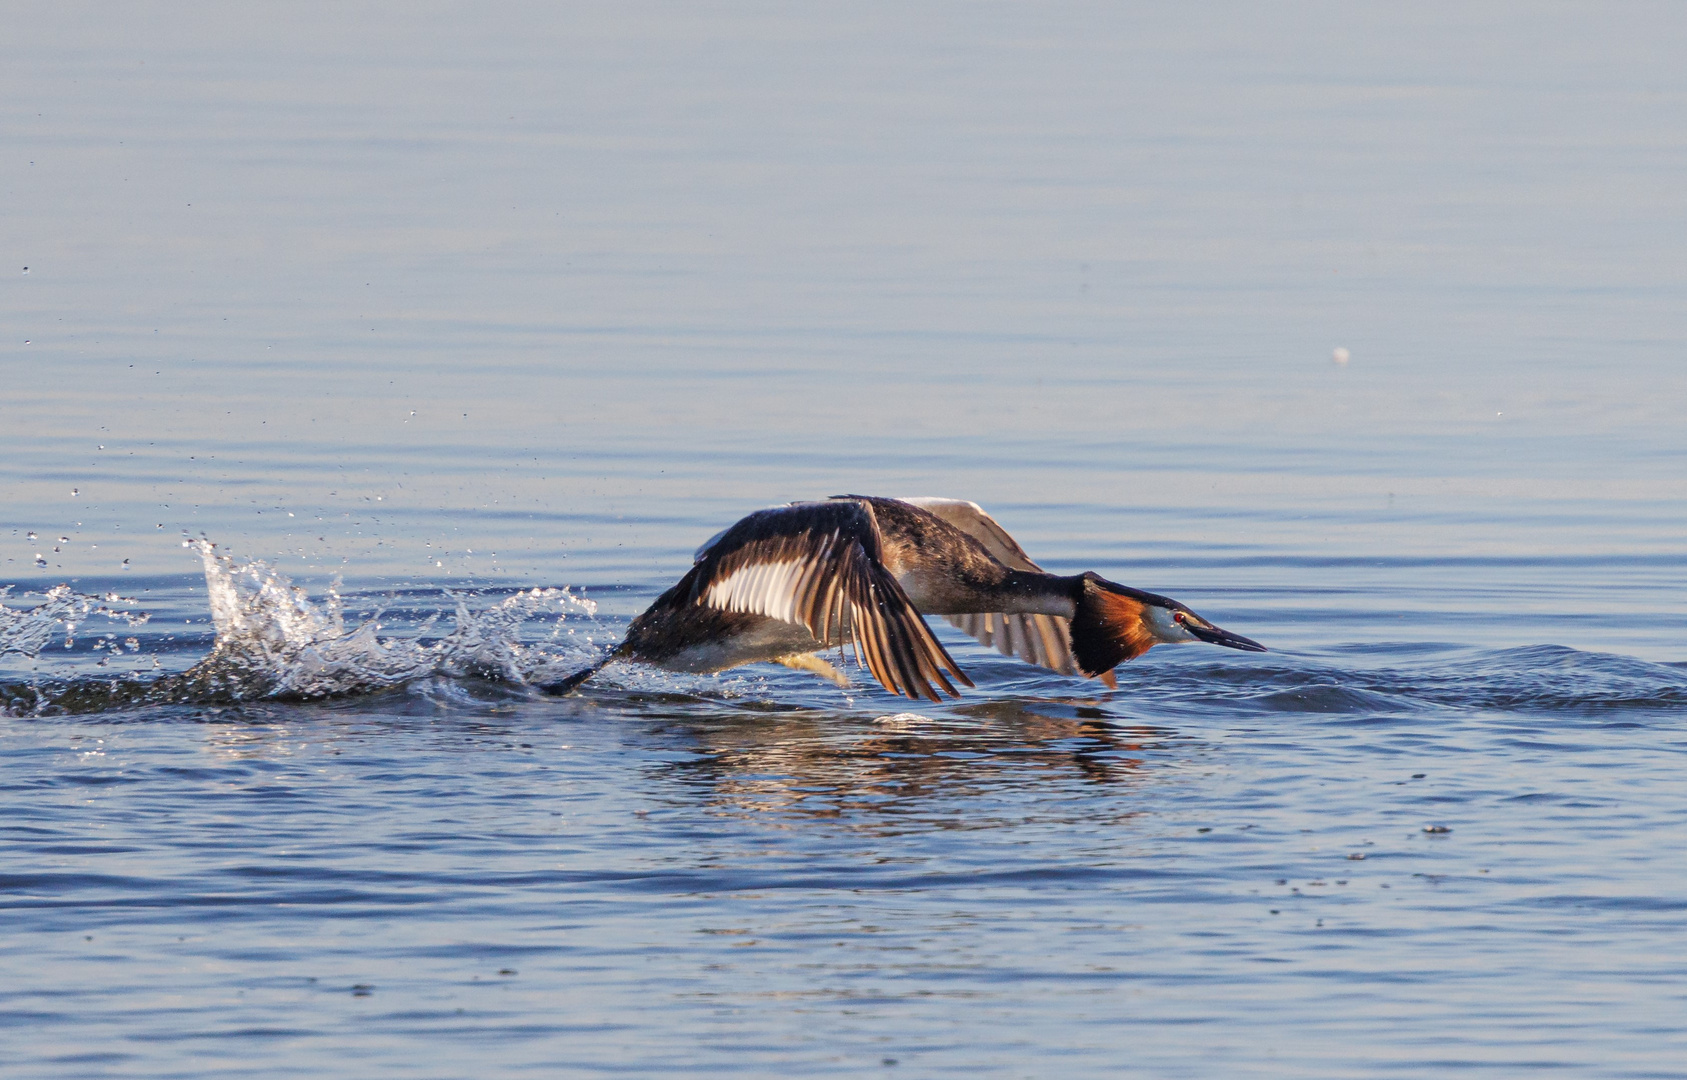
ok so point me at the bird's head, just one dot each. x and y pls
(1173, 623)
(1114, 623)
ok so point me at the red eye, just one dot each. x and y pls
(1178, 615)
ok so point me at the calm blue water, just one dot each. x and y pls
(456, 332)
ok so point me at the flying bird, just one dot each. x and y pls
(858, 573)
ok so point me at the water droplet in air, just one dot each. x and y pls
(30, 535)
(40, 560)
(64, 539)
(75, 492)
(1341, 355)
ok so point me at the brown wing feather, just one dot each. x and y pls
(818, 565)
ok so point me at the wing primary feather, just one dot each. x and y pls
(805, 597)
(849, 617)
(870, 641)
(1012, 636)
(832, 610)
(807, 580)
(925, 655)
(826, 592)
(896, 643)
(907, 660)
(1036, 639)
(895, 646)
(933, 669)
(1051, 646)
(934, 672)
(915, 636)
(919, 643)
(1033, 640)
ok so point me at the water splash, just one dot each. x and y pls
(273, 641)
(26, 631)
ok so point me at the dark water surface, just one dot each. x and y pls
(457, 332)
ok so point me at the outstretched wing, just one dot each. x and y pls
(1044, 640)
(819, 565)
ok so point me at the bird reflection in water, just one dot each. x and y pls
(911, 767)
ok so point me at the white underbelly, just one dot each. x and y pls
(761, 641)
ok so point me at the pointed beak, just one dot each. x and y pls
(1216, 636)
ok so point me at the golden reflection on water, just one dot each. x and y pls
(907, 767)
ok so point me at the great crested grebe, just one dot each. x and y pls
(783, 584)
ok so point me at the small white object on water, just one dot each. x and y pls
(1341, 355)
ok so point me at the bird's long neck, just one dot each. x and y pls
(992, 588)
(1034, 593)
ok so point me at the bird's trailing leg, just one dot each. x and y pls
(568, 683)
(812, 662)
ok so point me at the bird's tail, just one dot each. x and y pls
(1108, 626)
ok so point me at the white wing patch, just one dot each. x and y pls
(792, 590)
(761, 588)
